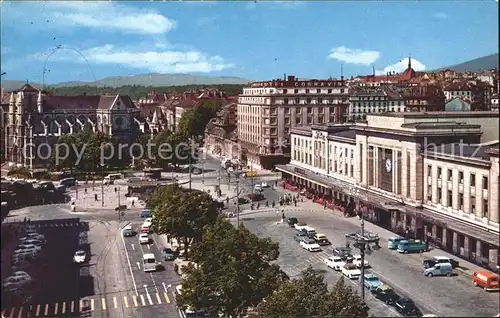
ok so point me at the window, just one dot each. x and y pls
(285, 91)
(429, 193)
(318, 91)
(485, 208)
(287, 111)
(440, 197)
(297, 120)
(461, 201)
(332, 110)
(329, 91)
(461, 177)
(485, 183)
(309, 110)
(285, 101)
(308, 100)
(307, 90)
(439, 172)
(429, 171)
(341, 91)
(472, 180)
(297, 100)
(450, 175)
(320, 119)
(321, 110)
(298, 110)
(309, 120)
(473, 208)
(296, 91)
(320, 100)
(450, 197)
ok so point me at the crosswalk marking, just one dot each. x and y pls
(158, 298)
(72, 306)
(125, 300)
(142, 300)
(37, 311)
(64, 308)
(55, 308)
(149, 298)
(46, 309)
(92, 304)
(115, 303)
(134, 298)
(103, 302)
(81, 305)
(20, 313)
(166, 298)
(12, 313)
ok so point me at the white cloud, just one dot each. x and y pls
(169, 61)
(440, 15)
(354, 56)
(108, 16)
(401, 66)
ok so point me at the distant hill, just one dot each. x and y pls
(480, 64)
(153, 79)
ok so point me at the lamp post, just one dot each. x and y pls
(102, 184)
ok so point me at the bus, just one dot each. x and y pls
(149, 262)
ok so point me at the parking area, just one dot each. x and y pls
(442, 296)
(38, 270)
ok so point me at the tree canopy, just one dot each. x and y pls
(169, 148)
(309, 296)
(182, 213)
(234, 271)
(194, 120)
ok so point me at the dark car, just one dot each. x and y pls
(386, 294)
(299, 236)
(292, 221)
(428, 263)
(407, 307)
(323, 242)
(243, 200)
(168, 254)
(342, 251)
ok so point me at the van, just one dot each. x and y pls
(310, 232)
(68, 182)
(440, 269)
(488, 281)
(110, 178)
(149, 263)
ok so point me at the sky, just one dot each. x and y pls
(256, 40)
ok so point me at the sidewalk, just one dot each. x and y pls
(466, 267)
(86, 201)
(210, 186)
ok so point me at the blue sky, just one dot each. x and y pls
(254, 40)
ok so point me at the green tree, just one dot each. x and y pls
(64, 155)
(234, 271)
(174, 149)
(194, 121)
(308, 296)
(182, 213)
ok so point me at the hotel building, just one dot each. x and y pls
(267, 111)
(433, 174)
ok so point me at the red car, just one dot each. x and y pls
(145, 229)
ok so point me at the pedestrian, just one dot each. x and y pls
(283, 214)
(133, 203)
(24, 220)
(95, 197)
(227, 201)
(295, 202)
(116, 189)
(85, 190)
(29, 221)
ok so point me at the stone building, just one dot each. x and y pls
(435, 175)
(221, 135)
(36, 117)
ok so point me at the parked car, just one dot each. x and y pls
(264, 184)
(371, 281)
(128, 231)
(440, 259)
(243, 200)
(488, 281)
(335, 262)
(386, 294)
(310, 231)
(258, 187)
(439, 269)
(292, 221)
(322, 240)
(300, 225)
(343, 252)
(148, 222)
(33, 236)
(310, 245)
(407, 307)
(80, 257)
(145, 213)
(299, 236)
(357, 261)
(168, 254)
(351, 271)
(18, 280)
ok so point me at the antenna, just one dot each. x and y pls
(342, 72)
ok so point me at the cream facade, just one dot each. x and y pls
(432, 175)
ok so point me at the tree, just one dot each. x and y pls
(194, 121)
(170, 148)
(234, 271)
(309, 297)
(182, 213)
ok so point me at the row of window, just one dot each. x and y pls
(472, 202)
(301, 101)
(449, 174)
(336, 166)
(317, 91)
(365, 104)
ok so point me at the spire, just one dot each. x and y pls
(409, 61)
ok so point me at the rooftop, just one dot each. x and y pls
(469, 151)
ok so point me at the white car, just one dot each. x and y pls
(310, 245)
(17, 280)
(335, 262)
(80, 257)
(351, 271)
(264, 184)
(357, 261)
(143, 238)
(148, 222)
(300, 225)
(258, 187)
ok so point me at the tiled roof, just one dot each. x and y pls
(84, 102)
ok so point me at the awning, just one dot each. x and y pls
(283, 169)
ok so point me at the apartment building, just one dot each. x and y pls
(367, 100)
(267, 111)
(435, 175)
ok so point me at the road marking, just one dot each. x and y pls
(125, 300)
(164, 287)
(134, 298)
(103, 302)
(20, 312)
(115, 304)
(92, 304)
(46, 309)
(158, 298)
(72, 306)
(148, 295)
(129, 264)
(12, 312)
(37, 312)
(64, 307)
(149, 246)
(142, 300)
(166, 298)
(133, 248)
(138, 265)
(56, 307)
(81, 305)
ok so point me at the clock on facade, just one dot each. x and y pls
(388, 165)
